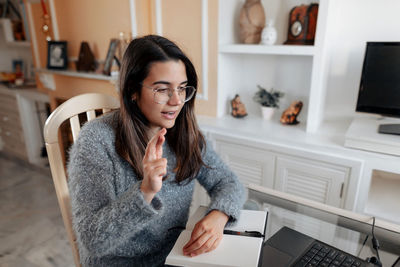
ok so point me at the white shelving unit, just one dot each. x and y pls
(46, 76)
(19, 43)
(74, 73)
(8, 34)
(297, 70)
(13, 50)
(288, 50)
(324, 72)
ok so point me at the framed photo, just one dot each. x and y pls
(18, 66)
(57, 55)
(112, 48)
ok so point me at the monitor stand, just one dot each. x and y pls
(389, 129)
(363, 134)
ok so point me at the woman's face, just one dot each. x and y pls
(170, 74)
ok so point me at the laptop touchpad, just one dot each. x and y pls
(277, 258)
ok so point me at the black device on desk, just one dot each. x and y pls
(288, 247)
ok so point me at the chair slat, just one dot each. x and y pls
(91, 114)
(75, 126)
(105, 110)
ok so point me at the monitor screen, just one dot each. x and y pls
(379, 91)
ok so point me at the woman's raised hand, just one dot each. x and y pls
(154, 166)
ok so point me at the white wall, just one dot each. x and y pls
(354, 23)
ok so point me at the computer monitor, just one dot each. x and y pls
(379, 91)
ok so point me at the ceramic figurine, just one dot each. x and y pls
(251, 22)
(289, 116)
(269, 34)
(238, 108)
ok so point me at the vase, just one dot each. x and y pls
(267, 112)
(269, 34)
(251, 22)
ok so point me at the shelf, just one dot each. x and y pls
(74, 73)
(255, 128)
(19, 43)
(295, 50)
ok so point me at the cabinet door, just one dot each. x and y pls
(250, 164)
(11, 131)
(313, 180)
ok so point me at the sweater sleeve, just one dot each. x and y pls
(102, 220)
(223, 186)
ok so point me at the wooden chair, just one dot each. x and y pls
(70, 110)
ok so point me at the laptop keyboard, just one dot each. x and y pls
(320, 254)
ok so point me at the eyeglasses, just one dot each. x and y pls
(163, 94)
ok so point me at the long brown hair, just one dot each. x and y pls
(184, 138)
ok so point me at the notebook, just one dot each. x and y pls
(234, 250)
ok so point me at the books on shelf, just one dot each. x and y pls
(233, 250)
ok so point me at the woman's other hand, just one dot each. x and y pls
(207, 234)
(154, 166)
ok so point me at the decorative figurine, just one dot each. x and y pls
(238, 108)
(86, 61)
(289, 116)
(251, 22)
(269, 34)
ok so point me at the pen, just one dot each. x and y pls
(245, 233)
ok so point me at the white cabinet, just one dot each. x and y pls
(20, 125)
(252, 165)
(11, 133)
(315, 175)
(311, 179)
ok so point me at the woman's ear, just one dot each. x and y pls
(134, 97)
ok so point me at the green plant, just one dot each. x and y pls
(268, 98)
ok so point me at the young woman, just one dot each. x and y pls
(132, 171)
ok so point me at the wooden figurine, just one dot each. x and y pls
(86, 61)
(251, 22)
(238, 108)
(289, 116)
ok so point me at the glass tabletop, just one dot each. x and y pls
(348, 231)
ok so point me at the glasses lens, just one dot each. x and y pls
(189, 92)
(163, 95)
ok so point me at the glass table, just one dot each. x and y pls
(348, 231)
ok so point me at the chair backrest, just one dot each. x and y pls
(70, 110)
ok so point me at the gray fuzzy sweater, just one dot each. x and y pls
(114, 225)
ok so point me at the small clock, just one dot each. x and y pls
(296, 28)
(302, 24)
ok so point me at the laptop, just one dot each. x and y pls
(288, 247)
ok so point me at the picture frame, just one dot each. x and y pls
(112, 48)
(18, 66)
(57, 55)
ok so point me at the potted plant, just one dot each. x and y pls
(269, 100)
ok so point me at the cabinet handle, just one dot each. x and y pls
(341, 190)
(5, 118)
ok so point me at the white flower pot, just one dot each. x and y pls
(267, 112)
